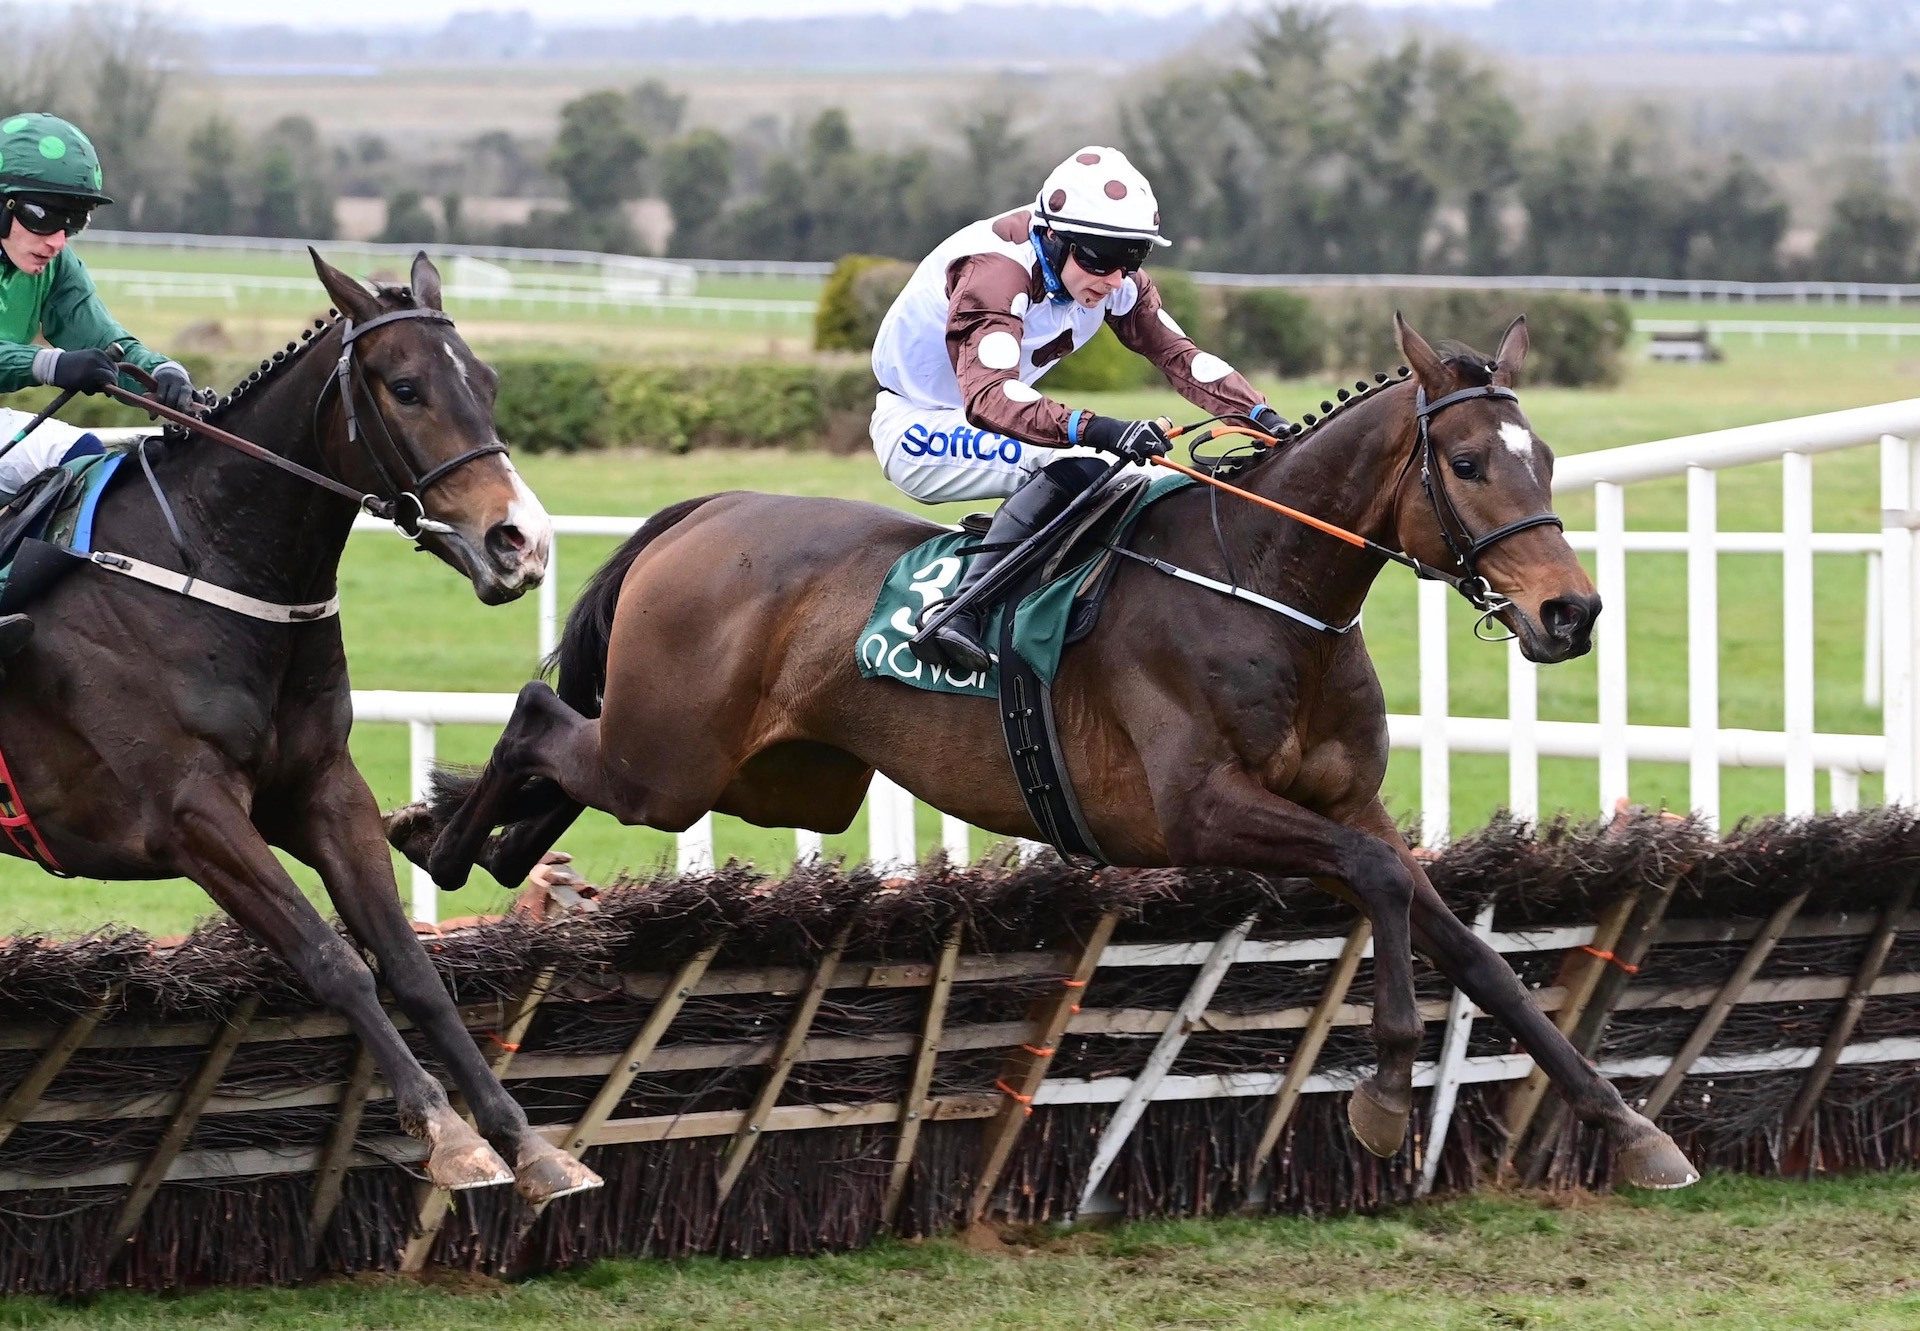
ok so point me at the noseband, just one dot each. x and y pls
(409, 510)
(1461, 543)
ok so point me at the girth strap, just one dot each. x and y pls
(239, 602)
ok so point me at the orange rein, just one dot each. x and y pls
(1221, 431)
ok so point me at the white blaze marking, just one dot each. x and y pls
(1519, 441)
(459, 365)
(1172, 327)
(526, 512)
(1021, 303)
(1000, 350)
(1019, 392)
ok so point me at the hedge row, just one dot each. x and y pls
(1577, 340)
(564, 404)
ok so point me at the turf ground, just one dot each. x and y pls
(411, 624)
(1730, 1254)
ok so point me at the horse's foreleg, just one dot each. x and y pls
(1232, 820)
(341, 837)
(1649, 1158)
(221, 850)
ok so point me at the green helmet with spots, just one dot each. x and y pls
(43, 154)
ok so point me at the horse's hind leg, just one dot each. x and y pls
(221, 850)
(511, 855)
(340, 836)
(542, 737)
(1230, 820)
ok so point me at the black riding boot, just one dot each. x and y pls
(15, 630)
(957, 643)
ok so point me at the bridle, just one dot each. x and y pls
(1465, 548)
(407, 508)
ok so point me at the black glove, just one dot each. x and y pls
(1136, 441)
(172, 387)
(1270, 421)
(88, 370)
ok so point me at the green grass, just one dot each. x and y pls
(1729, 1254)
(449, 641)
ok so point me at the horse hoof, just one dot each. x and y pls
(465, 1161)
(551, 1175)
(448, 871)
(1655, 1161)
(410, 830)
(1380, 1127)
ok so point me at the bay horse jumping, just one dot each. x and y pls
(154, 735)
(709, 665)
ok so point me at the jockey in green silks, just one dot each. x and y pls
(50, 183)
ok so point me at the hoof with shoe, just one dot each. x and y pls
(550, 1174)
(1653, 1160)
(462, 1161)
(411, 831)
(1380, 1126)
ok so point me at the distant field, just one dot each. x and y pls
(253, 320)
(439, 106)
(1780, 311)
(452, 642)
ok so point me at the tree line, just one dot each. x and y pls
(1314, 146)
(1313, 151)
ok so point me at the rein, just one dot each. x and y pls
(1470, 584)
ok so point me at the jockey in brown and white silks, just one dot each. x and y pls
(985, 316)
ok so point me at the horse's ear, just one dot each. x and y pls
(1513, 350)
(1424, 361)
(426, 281)
(349, 297)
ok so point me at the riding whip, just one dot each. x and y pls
(51, 409)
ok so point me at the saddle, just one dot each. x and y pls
(46, 523)
(1085, 543)
(1053, 603)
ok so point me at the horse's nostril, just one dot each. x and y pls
(1565, 619)
(506, 541)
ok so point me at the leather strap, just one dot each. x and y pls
(239, 602)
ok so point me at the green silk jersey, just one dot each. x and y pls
(60, 304)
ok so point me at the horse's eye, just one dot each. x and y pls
(404, 391)
(1465, 468)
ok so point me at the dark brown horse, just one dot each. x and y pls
(716, 650)
(155, 736)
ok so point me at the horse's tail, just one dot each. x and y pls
(578, 663)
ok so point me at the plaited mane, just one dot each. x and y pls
(1237, 461)
(279, 360)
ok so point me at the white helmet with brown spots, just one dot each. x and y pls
(1098, 192)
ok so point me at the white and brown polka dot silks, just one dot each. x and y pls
(974, 330)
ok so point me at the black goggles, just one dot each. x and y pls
(44, 216)
(1101, 256)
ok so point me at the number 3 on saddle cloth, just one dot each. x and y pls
(42, 529)
(1031, 625)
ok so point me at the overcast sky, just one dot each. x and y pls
(336, 13)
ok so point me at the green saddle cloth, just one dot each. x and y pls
(929, 572)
